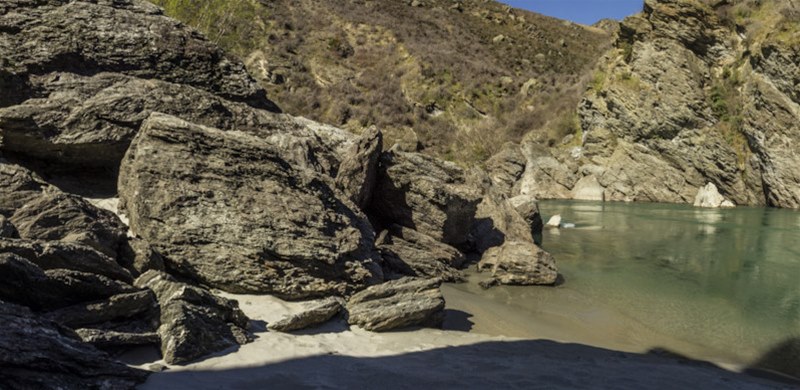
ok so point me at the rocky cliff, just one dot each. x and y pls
(693, 92)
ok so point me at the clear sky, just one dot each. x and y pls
(581, 11)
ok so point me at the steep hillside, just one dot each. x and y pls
(457, 78)
(693, 92)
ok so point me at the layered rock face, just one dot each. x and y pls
(684, 100)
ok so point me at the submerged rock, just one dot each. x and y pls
(194, 322)
(38, 354)
(518, 263)
(312, 315)
(398, 304)
(226, 209)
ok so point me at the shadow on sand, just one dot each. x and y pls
(513, 364)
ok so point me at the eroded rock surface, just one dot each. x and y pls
(408, 252)
(426, 194)
(39, 354)
(226, 209)
(86, 73)
(518, 263)
(312, 315)
(194, 322)
(398, 304)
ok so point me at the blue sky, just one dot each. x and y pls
(581, 11)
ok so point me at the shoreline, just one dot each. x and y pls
(337, 356)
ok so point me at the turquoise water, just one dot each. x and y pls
(713, 284)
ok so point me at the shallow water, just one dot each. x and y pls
(720, 285)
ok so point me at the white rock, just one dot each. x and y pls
(710, 197)
(554, 222)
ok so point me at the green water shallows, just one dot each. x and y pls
(713, 284)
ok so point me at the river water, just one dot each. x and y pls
(718, 285)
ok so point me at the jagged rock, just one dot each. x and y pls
(588, 188)
(91, 120)
(140, 257)
(50, 255)
(23, 282)
(497, 221)
(314, 314)
(127, 36)
(7, 229)
(710, 197)
(408, 252)
(55, 215)
(544, 177)
(506, 168)
(427, 195)
(109, 338)
(226, 209)
(358, 170)
(87, 73)
(397, 304)
(17, 187)
(194, 322)
(518, 263)
(528, 208)
(38, 354)
(116, 307)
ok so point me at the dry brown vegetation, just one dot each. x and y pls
(465, 76)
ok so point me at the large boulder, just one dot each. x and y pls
(518, 263)
(398, 304)
(39, 354)
(194, 322)
(227, 209)
(314, 313)
(408, 252)
(426, 194)
(359, 168)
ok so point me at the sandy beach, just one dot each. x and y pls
(337, 357)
